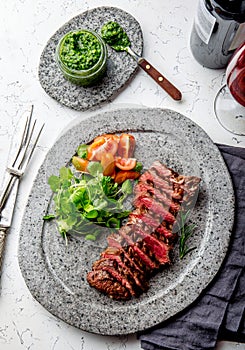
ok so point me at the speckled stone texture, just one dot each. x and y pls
(120, 67)
(56, 274)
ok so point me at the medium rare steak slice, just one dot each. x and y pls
(142, 246)
(150, 222)
(144, 190)
(175, 187)
(165, 234)
(146, 258)
(162, 170)
(122, 239)
(106, 284)
(159, 250)
(130, 269)
(151, 178)
(117, 271)
(114, 241)
(155, 208)
(153, 226)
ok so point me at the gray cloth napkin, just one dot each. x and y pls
(219, 311)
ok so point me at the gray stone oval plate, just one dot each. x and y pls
(56, 273)
(120, 68)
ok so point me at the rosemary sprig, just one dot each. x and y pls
(185, 230)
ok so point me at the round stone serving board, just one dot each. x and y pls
(56, 274)
(120, 67)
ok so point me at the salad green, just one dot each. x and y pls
(86, 201)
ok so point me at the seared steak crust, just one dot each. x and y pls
(106, 284)
(143, 245)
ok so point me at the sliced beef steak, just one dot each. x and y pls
(106, 284)
(142, 246)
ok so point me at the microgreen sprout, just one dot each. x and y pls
(84, 202)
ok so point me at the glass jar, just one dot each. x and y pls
(218, 29)
(87, 76)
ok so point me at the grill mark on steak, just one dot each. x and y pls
(159, 250)
(143, 245)
(146, 259)
(146, 190)
(151, 178)
(106, 284)
(156, 208)
(162, 170)
(150, 222)
(114, 240)
(116, 270)
(137, 277)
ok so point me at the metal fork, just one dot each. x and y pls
(16, 170)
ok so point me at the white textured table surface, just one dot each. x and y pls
(25, 27)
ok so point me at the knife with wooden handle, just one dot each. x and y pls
(160, 79)
(154, 74)
(116, 37)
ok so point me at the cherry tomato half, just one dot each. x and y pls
(123, 175)
(125, 163)
(79, 163)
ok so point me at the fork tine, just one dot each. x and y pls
(26, 144)
(17, 170)
(7, 188)
(28, 125)
(33, 148)
(24, 135)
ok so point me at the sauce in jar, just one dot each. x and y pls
(82, 56)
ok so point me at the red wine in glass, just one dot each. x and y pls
(230, 101)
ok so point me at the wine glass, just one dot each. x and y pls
(229, 104)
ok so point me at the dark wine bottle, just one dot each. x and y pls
(218, 29)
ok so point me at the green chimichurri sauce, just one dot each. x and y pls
(80, 50)
(115, 36)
